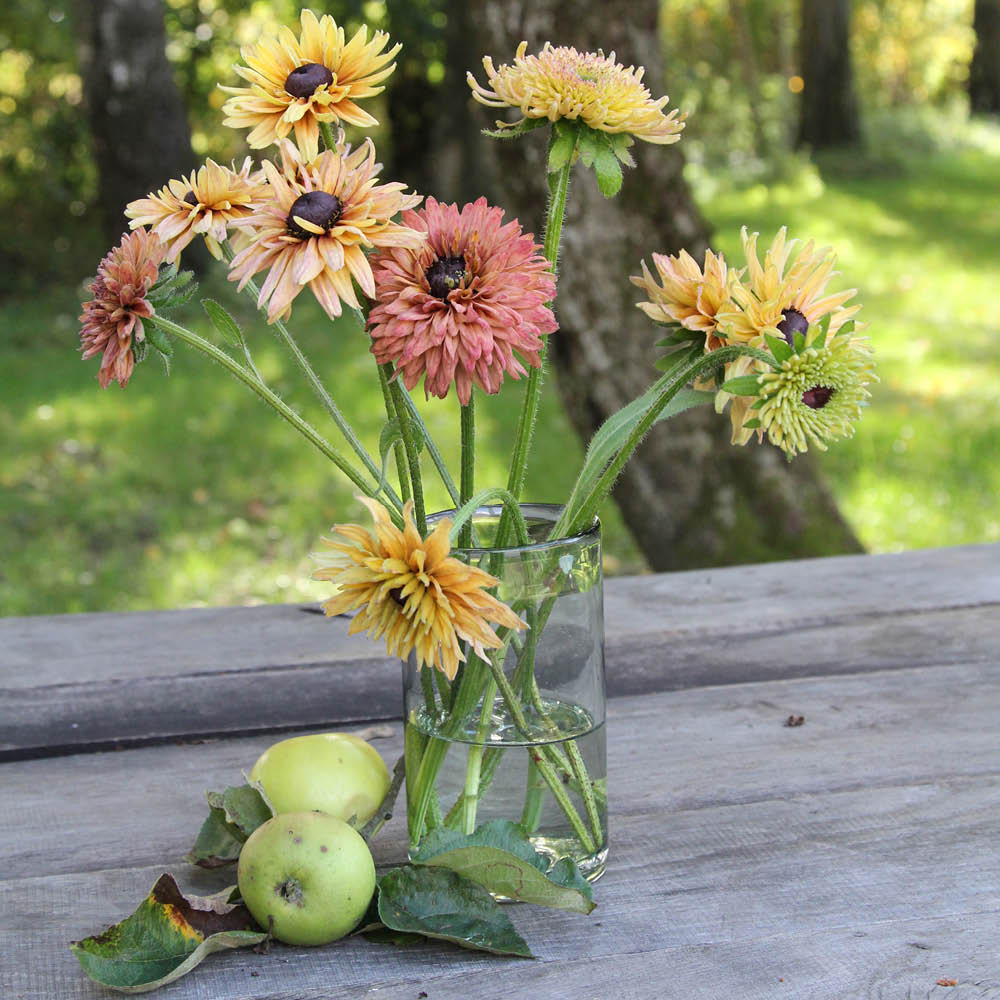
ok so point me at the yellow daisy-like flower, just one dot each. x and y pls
(206, 203)
(561, 82)
(781, 297)
(409, 591)
(296, 83)
(784, 295)
(685, 293)
(315, 224)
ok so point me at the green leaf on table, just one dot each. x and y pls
(244, 807)
(167, 936)
(501, 859)
(233, 815)
(439, 903)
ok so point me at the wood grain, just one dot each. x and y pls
(74, 682)
(854, 856)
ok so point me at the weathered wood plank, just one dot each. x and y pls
(95, 680)
(853, 856)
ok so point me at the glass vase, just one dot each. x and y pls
(519, 733)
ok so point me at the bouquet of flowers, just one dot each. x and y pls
(481, 601)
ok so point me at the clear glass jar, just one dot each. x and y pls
(521, 736)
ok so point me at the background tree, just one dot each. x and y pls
(984, 72)
(828, 109)
(688, 497)
(137, 121)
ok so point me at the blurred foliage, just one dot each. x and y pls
(46, 173)
(734, 66)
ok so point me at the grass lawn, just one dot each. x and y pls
(185, 490)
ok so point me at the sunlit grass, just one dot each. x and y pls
(187, 490)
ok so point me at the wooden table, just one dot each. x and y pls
(855, 855)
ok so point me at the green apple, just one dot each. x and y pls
(336, 773)
(312, 874)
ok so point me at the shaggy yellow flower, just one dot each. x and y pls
(410, 591)
(686, 294)
(296, 83)
(816, 395)
(561, 82)
(206, 203)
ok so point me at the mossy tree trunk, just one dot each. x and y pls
(984, 73)
(137, 119)
(688, 496)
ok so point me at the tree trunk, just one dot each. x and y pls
(828, 109)
(139, 126)
(688, 496)
(984, 73)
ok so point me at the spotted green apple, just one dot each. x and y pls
(306, 876)
(335, 773)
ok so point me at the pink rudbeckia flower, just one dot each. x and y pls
(468, 306)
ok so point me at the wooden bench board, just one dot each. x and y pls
(77, 682)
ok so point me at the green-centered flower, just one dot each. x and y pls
(816, 395)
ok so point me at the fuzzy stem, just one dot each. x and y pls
(468, 480)
(529, 410)
(571, 522)
(412, 455)
(320, 390)
(399, 452)
(326, 132)
(283, 409)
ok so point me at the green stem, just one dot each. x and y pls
(275, 401)
(473, 766)
(468, 479)
(320, 390)
(540, 755)
(529, 410)
(412, 454)
(571, 522)
(432, 448)
(534, 797)
(399, 452)
(326, 131)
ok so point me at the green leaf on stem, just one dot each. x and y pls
(779, 348)
(608, 169)
(501, 859)
(167, 936)
(159, 340)
(613, 434)
(519, 129)
(223, 322)
(439, 903)
(562, 148)
(742, 385)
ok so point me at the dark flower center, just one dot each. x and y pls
(191, 198)
(307, 79)
(792, 323)
(444, 275)
(817, 397)
(318, 207)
